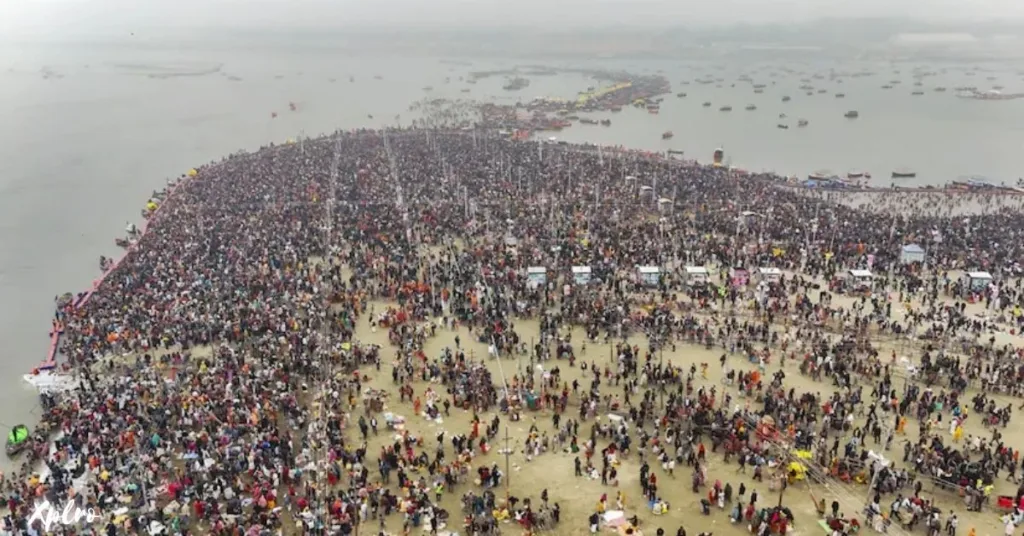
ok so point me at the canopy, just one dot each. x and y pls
(18, 434)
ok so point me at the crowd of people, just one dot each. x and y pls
(237, 409)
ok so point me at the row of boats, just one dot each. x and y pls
(823, 175)
(851, 114)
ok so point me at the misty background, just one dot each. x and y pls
(552, 26)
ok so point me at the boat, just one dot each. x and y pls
(292, 106)
(782, 126)
(428, 88)
(378, 77)
(667, 135)
(822, 91)
(904, 173)
(940, 89)
(725, 109)
(840, 95)
(802, 123)
(515, 84)
(916, 93)
(707, 104)
(751, 107)
(782, 116)
(606, 122)
(680, 95)
(887, 86)
(854, 174)
(718, 156)
(758, 90)
(351, 79)
(587, 121)
(852, 114)
(820, 175)
(18, 440)
(785, 98)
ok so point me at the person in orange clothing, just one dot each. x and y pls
(416, 406)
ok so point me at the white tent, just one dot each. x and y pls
(649, 275)
(581, 274)
(769, 274)
(696, 274)
(536, 276)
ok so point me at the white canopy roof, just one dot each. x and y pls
(860, 273)
(536, 270)
(766, 270)
(581, 269)
(649, 269)
(693, 270)
(979, 275)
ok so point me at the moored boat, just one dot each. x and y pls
(785, 98)
(820, 175)
(904, 173)
(852, 114)
(725, 109)
(706, 105)
(802, 123)
(18, 440)
(751, 107)
(782, 126)
(667, 135)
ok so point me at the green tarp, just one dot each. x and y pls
(18, 434)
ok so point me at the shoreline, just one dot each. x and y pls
(81, 298)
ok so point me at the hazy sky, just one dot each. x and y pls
(91, 17)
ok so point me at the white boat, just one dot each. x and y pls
(49, 382)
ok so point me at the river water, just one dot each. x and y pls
(87, 132)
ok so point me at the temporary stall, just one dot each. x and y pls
(769, 274)
(739, 277)
(859, 279)
(665, 205)
(976, 281)
(649, 275)
(911, 253)
(581, 274)
(696, 274)
(536, 276)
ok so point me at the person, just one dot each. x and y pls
(594, 519)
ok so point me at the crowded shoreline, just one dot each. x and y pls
(438, 241)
